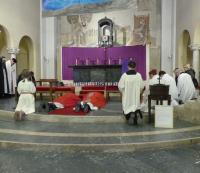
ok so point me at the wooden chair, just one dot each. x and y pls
(158, 92)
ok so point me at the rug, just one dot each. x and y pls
(67, 111)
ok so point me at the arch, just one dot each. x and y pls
(25, 57)
(4, 41)
(184, 51)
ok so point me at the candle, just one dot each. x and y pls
(97, 61)
(109, 61)
(76, 62)
(120, 61)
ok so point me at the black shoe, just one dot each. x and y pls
(51, 106)
(139, 112)
(86, 108)
(180, 102)
(77, 107)
(135, 119)
(127, 116)
(43, 106)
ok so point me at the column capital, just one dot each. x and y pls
(13, 50)
(194, 46)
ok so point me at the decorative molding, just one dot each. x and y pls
(194, 46)
(13, 50)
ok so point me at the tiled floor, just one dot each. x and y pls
(30, 160)
(179, 160)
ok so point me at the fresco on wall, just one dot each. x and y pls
(121, 34)
(141, 30)
(81, 35)
(146, 5)
(78, 25)
(81, 30)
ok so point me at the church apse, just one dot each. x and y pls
(83, 30)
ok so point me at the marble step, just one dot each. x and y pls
(109, 137)
(98, 138)
(97, 142)
(190, 111)
(119, 118)
(86, 127)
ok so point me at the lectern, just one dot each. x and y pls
(158, 92)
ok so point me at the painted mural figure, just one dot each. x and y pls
(78, 28)
(140, 32)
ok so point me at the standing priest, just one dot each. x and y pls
(11, 71)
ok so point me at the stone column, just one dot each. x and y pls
(168, 35)
(49, 43)
(195, 63)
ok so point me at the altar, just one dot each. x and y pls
(101, 64)
(96, 73)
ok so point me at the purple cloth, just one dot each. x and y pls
(113, 55)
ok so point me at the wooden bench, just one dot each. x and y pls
(44, 86)
(51, 87)
(112, 89)
(60, 90)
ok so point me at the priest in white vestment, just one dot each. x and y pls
(130, 85)
(166, 79)
(153, 79)
(26, 90)
(11, 72)
(185, 86)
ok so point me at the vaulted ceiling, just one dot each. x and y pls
(70, 7)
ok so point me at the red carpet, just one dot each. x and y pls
(67, 111)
